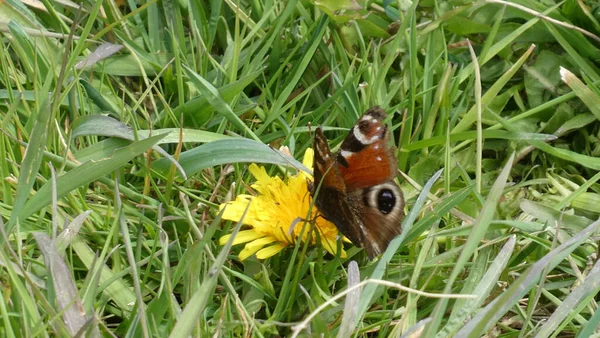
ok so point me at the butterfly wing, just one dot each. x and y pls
(357, 192)
(378, 215)
(365, 157)
(329, 190)
(368, 166)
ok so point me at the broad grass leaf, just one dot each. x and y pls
(86, 173)
(234, 150)
(107, 126)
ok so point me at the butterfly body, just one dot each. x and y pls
(355, 187)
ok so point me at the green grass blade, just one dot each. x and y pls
(86, 173)
(192, 312)
(471, 116)
(33, 157)
(473, 241)
(462, 309)
(589, 287)
(235, 150)
(499, 306)
(218, 103)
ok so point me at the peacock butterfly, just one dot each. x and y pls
(356, 188)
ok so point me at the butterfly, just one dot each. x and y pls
(355, 188)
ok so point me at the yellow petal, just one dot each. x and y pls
(242, 237)
(254, 246)
(309, 156)
(260, 173)
(261, 242)
(270, 251)
(247, 252)
(235, 209)
(224, 239)
(331, 245)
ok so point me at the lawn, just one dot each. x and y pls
(135, 133)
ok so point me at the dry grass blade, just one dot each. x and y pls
(351, 306)
(590, 98)
(66, 236)
(102, 52)
(67, 296)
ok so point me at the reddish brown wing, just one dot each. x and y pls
(365, 156)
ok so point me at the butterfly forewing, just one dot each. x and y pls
(331, 198)
(366, 158)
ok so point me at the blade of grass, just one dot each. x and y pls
(505, 42)
(492, 92)
(34, 154)
(463, 308)
(234, 150)
(84, 174)
(189, 317)
(217, 102)
(499, 306)
(297, 73)
(67, 295)
(587, 288)
(589, 97)
(351, 306)
(477, 94)
(473, 241)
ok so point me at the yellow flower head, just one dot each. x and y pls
(278, 214)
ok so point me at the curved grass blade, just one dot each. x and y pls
(84, 174)
(107, 126)
(482, 223)
(235, 150)
(499, 306)
(193, 310)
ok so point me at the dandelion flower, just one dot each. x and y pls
(277, 215)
